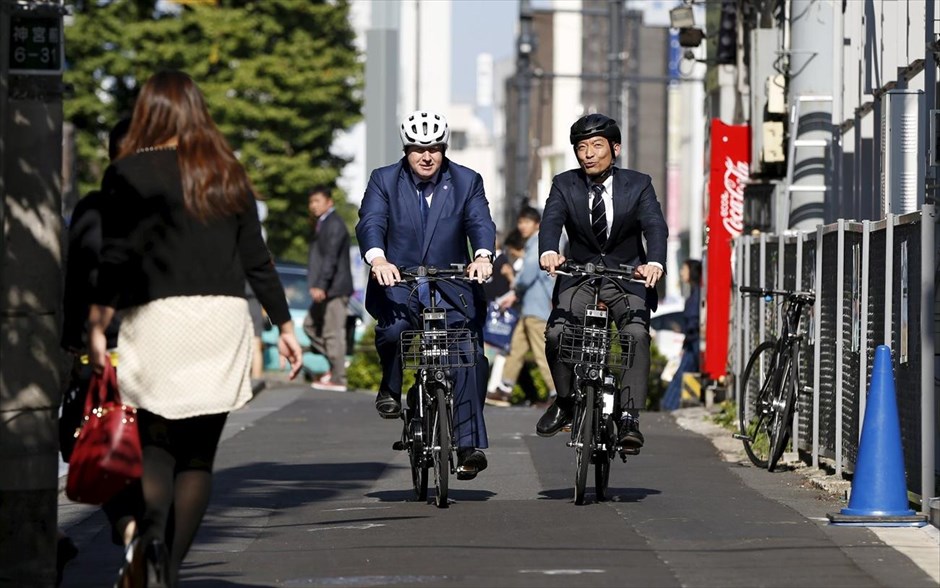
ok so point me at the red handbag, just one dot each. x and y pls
(107, 456)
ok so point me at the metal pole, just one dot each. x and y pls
(525, 48)
(928, 397)
(840, 342)
(417, 54)
(817, 351)
(930, 95)
(614, 59)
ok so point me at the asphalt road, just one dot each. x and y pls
(309, 493)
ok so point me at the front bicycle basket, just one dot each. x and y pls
(597, 347)
(440, 348)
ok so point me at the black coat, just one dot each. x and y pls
(636, 215)
(328, 261)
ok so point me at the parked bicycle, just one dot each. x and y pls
(433, 353)
(598, 357)
(771, 382)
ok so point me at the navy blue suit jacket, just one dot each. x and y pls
(637, 214)
(459, 223)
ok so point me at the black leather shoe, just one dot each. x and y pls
(388, 406)
(470, 462)
(630, 437)
(554, 420)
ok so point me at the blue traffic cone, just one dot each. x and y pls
(879, 489)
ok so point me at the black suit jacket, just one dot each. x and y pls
(328, 263)
(636, 215)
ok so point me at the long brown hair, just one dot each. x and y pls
(170, 106)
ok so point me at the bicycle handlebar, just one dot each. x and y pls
(456, 271)
(806, 296)
(625, 272)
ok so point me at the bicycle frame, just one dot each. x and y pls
(433, 352)
(778, 383)
(588, 348)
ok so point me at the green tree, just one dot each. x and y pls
(281, 77)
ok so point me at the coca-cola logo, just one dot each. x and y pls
(732, 198)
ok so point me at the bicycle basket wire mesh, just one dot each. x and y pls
(439, 348)
(595, 346)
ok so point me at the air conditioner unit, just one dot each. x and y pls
(902, 163)
(776, 94)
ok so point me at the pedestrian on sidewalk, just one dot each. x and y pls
(691, 274)
(497, 330)
(81, 276)
(180, 236)
(533, 288)
(329, 278)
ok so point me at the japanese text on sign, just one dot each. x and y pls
(35, 43)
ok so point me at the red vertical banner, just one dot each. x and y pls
(728, 175)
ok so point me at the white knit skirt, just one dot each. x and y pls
(186, 356)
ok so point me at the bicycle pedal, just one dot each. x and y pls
(398, 446)
(625, 451)
(741, 437)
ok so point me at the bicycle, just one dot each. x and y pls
(771, 382)
(433, 352)
(598, 361)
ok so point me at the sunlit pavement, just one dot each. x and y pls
(309, 493)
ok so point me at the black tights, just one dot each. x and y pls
(177, 478)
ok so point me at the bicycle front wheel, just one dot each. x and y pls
(442, 447)
(602, 458)
(584, 443)
(419, 469)
(755, 406)
(781, 423)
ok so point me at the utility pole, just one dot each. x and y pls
(31, 64)
(524, 51)
(615, 61)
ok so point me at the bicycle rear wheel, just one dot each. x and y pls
(782, 420)
(442, 444)
(584, 442)
(603, 457)
(755, 406)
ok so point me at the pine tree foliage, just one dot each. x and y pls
(281, 78)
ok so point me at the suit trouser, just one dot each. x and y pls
(529, 334)
(326, 328)
(469, 383)
(570, 311)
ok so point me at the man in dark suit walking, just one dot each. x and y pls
(425, 210)
(330, 281)
(607, 212)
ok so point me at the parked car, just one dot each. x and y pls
(294, 279)
(666, 330)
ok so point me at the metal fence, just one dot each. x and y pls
(874, 284)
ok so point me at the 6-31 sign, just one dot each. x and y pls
(36, 44)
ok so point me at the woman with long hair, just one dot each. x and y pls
(180, 236)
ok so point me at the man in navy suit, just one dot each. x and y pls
(607, 212)
(427, 210)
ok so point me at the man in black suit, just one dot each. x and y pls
(330, 280)
(607, 212)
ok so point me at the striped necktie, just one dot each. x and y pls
(599, 214)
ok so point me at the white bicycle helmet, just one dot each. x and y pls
(424, 128)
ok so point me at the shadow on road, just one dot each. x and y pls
(614, 494)
(453, 495)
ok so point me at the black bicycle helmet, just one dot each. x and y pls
(593, 125)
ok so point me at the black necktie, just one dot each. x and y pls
(599, 214)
